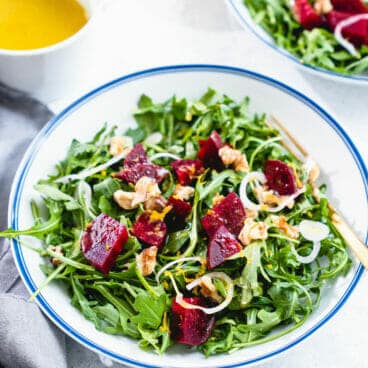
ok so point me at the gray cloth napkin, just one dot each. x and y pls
(27, 338)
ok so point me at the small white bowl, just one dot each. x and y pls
(246, 21)
(341, 165)
(48, 73)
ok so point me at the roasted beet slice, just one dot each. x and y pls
(208, 151)
(187, 170)
(280, 177)
(190, 326)
(133, 174)
(102, 241)
(148, 231)
(350, 6)
(231, 211)
(211, 222)
(136, 156)
(222, 246)
(180, 208)
(306, 14)
(357, 33)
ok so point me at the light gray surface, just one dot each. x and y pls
(133, 35)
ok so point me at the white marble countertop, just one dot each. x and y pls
(139, 34)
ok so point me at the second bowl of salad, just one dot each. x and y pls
(326, 37)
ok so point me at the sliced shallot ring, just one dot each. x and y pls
(314, 231)
(213, 310)
(310, 257)
(164, 154)
(260, 177)
(345, 23)
(88, 172)
(286, 201)
(247, 203)
(180, 260)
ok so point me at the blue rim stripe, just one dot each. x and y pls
(280, 50)
(14, 203)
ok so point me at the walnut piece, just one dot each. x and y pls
(208, 289)
(234, 157)
(281, 223)
(323, 6)
(183, 192)
(146, 260)
(59, 251)
(119, 144)
(253, 230)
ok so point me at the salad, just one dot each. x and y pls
(196, 227)
(329, 34)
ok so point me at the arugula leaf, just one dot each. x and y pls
(150, 309)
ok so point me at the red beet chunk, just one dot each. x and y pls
(133, 174)
(136, 156)
(150, 232)
(102, 241)
(350, 6)
(211, 222)
(222, 246)
(187, 170)
(306, 14)
(232, 212)
(357, 33)
(280, 177)
(180, 208)
(190, 326)
(208, 151)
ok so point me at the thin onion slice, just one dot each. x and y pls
(345, 23)
(260, 177)
(89, 172)
(287, 200)
(314, 231)
(252, 176)
(164, 154)
(310, 257)
(180, 260)
(213, 310)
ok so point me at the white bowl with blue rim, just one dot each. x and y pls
(113, 102)
(247, 22)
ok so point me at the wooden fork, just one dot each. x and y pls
(352, 240)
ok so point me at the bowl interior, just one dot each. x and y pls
(114, 104)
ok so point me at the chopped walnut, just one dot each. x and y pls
(231, 156)
(118, 144)
(270, 198)
(59, 251)
(146, 260)
(217, 198)
(323, 6)
(128, 200)
(208, 289)
(147, 187)
(183, 192)
(155, 203)
(252, 231)
(281, 223)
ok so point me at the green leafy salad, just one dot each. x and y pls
(328, 34)
(196, 227)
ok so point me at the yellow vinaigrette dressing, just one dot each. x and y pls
(32, 24)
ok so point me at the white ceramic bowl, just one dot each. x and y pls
(341, 165)
(246, 21)
(50, 72)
